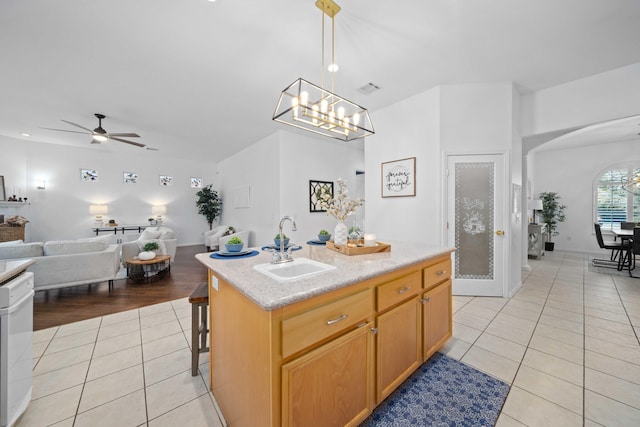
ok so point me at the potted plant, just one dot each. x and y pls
(324, 235)
(276, 239)
(234, 244)
(552, 215)
(148, 251)
(209, 204)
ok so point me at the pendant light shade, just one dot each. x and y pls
(310, 107)
(316, 109)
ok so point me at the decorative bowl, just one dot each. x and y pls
(324, 237)
(277, 242)
(234, 248)
(146, 255)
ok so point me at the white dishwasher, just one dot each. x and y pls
(16, 340)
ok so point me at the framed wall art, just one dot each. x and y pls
(3, 194)
(399, 178)
(315, 189)
(130, 177)
(88, 175)
(165, 180)
(196, 182)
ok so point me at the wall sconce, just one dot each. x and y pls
(98, 211)
(158, 211)
(40, 184)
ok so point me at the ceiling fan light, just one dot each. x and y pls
(100, 138)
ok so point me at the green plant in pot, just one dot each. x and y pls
(209, 204)
(148, 251)
(277, 239)
(324, 235)
(234, 244)
(552, 215)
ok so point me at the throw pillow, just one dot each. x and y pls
(11, 243)
(166, 233)
(150, 233)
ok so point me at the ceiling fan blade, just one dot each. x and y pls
(64, 130)
(77, 125)
(130, 135)
(128, 142)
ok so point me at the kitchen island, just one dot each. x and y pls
(326, 349)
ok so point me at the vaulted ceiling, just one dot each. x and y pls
(200, 79)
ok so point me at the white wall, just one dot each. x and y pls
(409, 128)
(606, 96)
(61, 211)
(574, 184)
(278, 169)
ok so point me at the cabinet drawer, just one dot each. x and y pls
(436, 273)
(398, 290)
(305, 329)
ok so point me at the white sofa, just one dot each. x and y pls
(162, 235)
(65, 263)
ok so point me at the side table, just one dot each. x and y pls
(148, 270)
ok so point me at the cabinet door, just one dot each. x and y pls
(331, 385)
(436, 317)
(398, 346)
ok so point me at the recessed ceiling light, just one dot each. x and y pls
(25, 134)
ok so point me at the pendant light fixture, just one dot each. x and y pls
(310, 107)
(632, 184)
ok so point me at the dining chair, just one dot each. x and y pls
(634, 250)
(619, 250)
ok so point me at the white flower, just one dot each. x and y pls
(340, 206)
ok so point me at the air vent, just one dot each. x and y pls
(369, 88)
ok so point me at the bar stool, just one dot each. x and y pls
(199, 300)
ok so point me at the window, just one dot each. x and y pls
(614, 204)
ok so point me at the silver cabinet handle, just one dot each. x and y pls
(336, 320)
(403, 290)
(441, 272)
(427, 299)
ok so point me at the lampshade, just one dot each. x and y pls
(535, 205)
(316, 109)
(158, 210)
(98, 210)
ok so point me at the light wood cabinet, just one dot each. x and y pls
(398, 346)
(331, 385)
(330, 359)
(436, 316)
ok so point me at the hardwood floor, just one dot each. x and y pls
(66, 305)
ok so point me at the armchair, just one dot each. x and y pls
(164, 236)
(212, 237)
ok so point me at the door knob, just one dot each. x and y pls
(500, 233)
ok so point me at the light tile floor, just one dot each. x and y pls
(567, 343)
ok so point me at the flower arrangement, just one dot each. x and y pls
(340, 206)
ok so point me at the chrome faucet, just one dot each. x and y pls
(283, 256)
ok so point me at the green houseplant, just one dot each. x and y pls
(209, 204)
(234, 244)
(324, 235)
(552, 215)
(276, 239)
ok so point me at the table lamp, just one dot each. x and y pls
(158, 211)
(98, 211)
(535, 205)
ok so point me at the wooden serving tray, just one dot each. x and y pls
(352, 249)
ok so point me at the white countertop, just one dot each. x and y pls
(271, 294)
(9, 268)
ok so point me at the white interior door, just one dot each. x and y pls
(475, 218)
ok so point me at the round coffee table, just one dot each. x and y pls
(148, 270)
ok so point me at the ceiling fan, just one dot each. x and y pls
(100, 135)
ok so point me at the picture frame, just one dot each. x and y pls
(314, 190)
(166, 180)
(88, 175)
(398, 178)
(196, 182)
(129, 177)
(3, 193)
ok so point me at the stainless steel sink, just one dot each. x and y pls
(297, 269)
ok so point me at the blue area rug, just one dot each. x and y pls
(442, 392)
